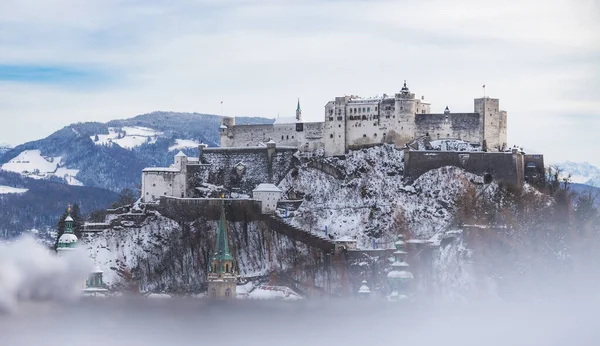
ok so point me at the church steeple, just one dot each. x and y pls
(298, 111)
(222, 256)
(221, 274)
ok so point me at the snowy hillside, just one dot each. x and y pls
(581, 172)
(112, 155)
(127, 137)
(9, 189)
(4, 148)
(375, 204)
(31, 164)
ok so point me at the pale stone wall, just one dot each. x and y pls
(217, 287)
(352, 122)
(494, 122)
(464, 126)
(165, 183)
(268, 200)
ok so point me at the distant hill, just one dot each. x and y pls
(581, 172)
(28, 203)
(112, 155)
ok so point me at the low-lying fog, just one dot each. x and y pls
(37, 308)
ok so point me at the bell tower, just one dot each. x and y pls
(221, 274)
(298, 112)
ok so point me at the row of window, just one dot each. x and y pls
(286, 137)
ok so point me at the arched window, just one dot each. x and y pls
(375, 135)
(287, 137)
(281, 137)
(364, 136)
(227, 268)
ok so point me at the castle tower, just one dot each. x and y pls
(405, 108)
(494, 123)
(221, 275)
(68, 240)
(399, 277)
(226, 132)
(298, 112)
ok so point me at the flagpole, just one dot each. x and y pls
(222, 114)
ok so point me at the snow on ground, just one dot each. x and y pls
(127, 137)
(32, 164)
(184, 144)
(366, 207)
(9, 189)
(453, 145)
(112, 247)
(273, 292)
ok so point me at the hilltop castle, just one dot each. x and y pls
(352, 122)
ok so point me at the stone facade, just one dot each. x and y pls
(268, 195)
(353, 122)
(166, 181)
(512, 167)
(238, 170)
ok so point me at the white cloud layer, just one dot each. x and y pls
(541, 59)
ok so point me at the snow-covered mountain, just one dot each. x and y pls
(581, 172)
(4, 148)
(112, 155)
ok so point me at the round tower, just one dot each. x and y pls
(405, 108)
(399, 277)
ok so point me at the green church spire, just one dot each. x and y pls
(222, 253)
(298, 111)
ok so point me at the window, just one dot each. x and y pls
(287, 137)
(331, 135)
(340, 125)
(375, 135)
(154, 185)
(292, 137)
(364, 136)
(228, 293)
(281, 137)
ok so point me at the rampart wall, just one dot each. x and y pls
(507, 167)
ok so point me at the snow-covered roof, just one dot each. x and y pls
(396, 274)
(266, 188)
(181, 154)
(222, 127)
(364, 289)
(271, 141)
(67, 238)
(69, 218)
(97, 270)
(286, 120)
(160, 169)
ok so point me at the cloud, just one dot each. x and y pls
(259, 56)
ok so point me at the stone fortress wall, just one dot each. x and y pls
(352, 122)
(512, 167)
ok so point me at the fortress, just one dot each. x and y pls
(353, 122)
(251, 155)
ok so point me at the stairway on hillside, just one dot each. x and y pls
(279, 225)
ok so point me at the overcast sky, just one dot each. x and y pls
(68, 61)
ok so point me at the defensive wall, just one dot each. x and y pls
(500, 166)
(240, 169)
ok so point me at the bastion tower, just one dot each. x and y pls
(221, 274)
(494, 123)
